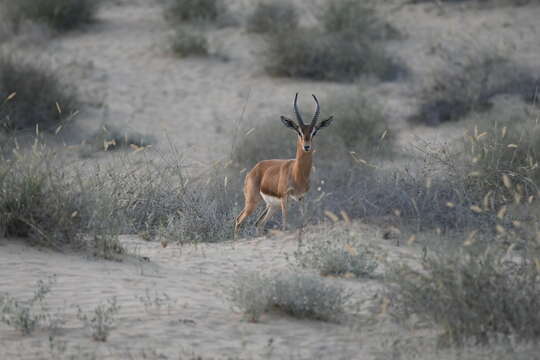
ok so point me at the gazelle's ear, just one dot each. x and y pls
(289, 123)
(323, 124)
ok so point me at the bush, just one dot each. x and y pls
(111, 138)
(346, 48)
(61, 15)
(470, 85)
(474, 296)
(39, 203)
(101, 320)
(193, 10)
(272, 17)
(298, 295)
(32, 96)
(189, 43)
(338, 251)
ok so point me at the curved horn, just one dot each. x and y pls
(296, 111)
(317, 112)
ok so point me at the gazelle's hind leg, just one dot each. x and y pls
(252, 199)
(265, 216)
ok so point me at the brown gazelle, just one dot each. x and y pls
(274, 181)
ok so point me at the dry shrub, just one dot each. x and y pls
(470, 83)
(348, 45)
(298, 295)
(41, 203)
(62, 15)
(32, 96)
(273, 16)
(192, 10)
(474, 297)
(188, 42)
(111, 138)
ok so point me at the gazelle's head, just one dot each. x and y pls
(306, 132)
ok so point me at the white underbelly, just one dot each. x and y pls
(271, 200)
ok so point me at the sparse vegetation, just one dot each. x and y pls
(189, 42)
(32, 96)
(62, 15)
(298, 295)
(193, 10)
(26, 316)
(471, 83)
(338, 52)
(110, 138)
(273, 16)
(101, 320)
(474, 297)
(337, 251)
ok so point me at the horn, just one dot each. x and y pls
(317, 112)
(296, 111)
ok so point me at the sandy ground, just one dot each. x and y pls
(124, 69)
(195, 315)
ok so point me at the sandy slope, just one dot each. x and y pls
(196, 318)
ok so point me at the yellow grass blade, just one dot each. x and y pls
(331, 216)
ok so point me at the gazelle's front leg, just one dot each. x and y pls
(284, 211)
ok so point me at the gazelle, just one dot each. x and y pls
(274, 181)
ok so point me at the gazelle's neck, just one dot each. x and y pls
(302, 166)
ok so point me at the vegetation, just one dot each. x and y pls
(338, 251)
(101, 320)
(187, 42)
(32, 96)
(298, 295)
(474, 296)
(471, 83)
(273, 17)
(339, 51)
(61, 15)
(193, 10)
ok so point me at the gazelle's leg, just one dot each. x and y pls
(248, 210)
(268, 213)
(284, 212)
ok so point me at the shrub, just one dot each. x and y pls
(39, 202)
(101, 320)
(474, 296)
(273, 16)
(309, 53)
(344, 49)
(298, 295)
(193, 10)
(189, 43)
(470, 84)
(337, 251)
(32, 96)
(61, 15)
(26, 316)
(357, 18)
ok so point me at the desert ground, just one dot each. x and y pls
(174, 298)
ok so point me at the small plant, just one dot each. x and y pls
(101, 320)
(32, 96)
(26, 316)
(336, 252)
(62, 15)
(193, 10)
(189, 43)
(474, 296)
(298, 295)
(273, 16)
(154, 302)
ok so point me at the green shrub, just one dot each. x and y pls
(338, 251)
(273, 16)
(101, 320)
(474, 296)
(189, 43)
(32, 96)
(61, 15)
(298, 295)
